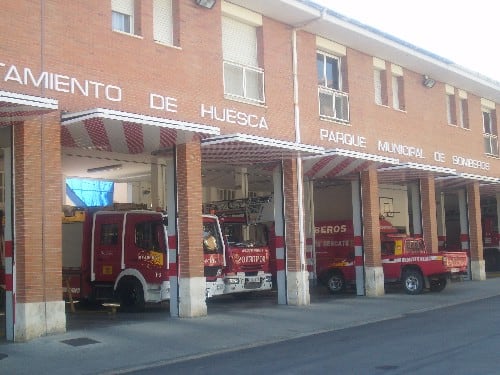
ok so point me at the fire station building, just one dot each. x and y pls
(181, 102)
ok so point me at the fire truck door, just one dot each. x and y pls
(107, 243)
(391, 261)
(146, 246)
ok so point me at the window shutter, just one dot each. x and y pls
(378, 86)
(239, 42)
(123, 6)
(163, 21)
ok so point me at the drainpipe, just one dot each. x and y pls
(300, 187)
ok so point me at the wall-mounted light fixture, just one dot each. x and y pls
(428, 82)
(106, 168)
(209, 4)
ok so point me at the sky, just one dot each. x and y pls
(465, 32)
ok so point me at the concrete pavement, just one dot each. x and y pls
(106, 343)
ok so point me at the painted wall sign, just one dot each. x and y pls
(232, 116)
(60, 83)
(401, 149)
(410, 151)
(462, 161)
(342, 138)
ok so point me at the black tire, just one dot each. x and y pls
(438, 285)
(335, 282)
(131, 295)
(413, 282)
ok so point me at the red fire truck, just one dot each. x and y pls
(246, 239)
(111, 255)
(405, 259)
(115, 255)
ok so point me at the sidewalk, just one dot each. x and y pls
(106, 343)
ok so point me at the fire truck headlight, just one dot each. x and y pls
(268, 279)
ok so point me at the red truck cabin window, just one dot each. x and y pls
(109, 234)
(148, 236)
(211, 241)
(414, 246)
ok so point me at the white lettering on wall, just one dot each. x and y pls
(470, 163)
(161, 102)
(232, 116)
(400, 149)
(61, 83)
(342, 138)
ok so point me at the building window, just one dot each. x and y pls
(380, 85)
(123, 16)
(463, 113)
(163, 30)
(451, 109)
(398, 93)
(490, 132)
(243, 77)
(333, 101)
(109, 234)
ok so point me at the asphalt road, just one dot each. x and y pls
(462, 339)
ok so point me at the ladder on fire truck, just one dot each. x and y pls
(252, 209)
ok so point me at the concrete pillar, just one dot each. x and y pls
(192, 283)
(374, 274)
(429, 220)
(279, 231)
(464, 227)
(358, 237)
(475, 232)
(296, 271)
(171, 201)
(158, 193)
(464, 224)
(309, 230)
(37, 271)
(441, 221)
(8, 255)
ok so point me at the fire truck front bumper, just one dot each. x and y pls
(242, 283)
(214, 288)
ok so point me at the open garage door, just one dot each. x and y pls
(242, 182)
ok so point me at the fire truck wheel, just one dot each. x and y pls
(335, 282)
(438, 285)
(131, 295)
(413, 282)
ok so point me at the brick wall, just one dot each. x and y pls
(429, 220)
(189, 208)
(371, 224)
(475, 230)
(37, 189)
(291, 215)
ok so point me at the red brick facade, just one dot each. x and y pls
(65, 41)
(429, 219)
(37, 198)
(371, 222)
(189, 208)
(291, 197)
(475, 231)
